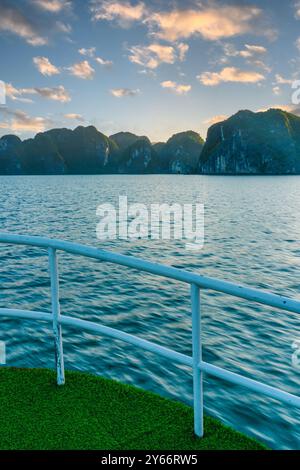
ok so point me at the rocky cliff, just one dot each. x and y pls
(140, 157)
(10, 152)
(85, 150)
(246, 143)
(181, 152)
(135, 154)
(125, 139)
(253, 143)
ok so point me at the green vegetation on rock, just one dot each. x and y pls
(181, 152)
(87, 151)
(253, 143)
(245, 144)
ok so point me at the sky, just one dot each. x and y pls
(154, 67)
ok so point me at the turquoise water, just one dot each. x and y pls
(252, 232)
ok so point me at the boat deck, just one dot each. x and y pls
(91, 412)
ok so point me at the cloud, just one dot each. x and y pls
(18, 94)
(176, 88)
(91, 52)
(253, 49)
(123, 12)
(87, 52)
(297, 10)
(230, 50)
(63, 27)
(279, 82)
(52, 6)
(283, 81)
(276, 90)
(230, 74)
(14, 21)
(250, 50)
(215, 119)
(82, 70)
(19, 121)
(252, 53)
(105, 63)
(212, 23)
(297, 43)
(45, 67)
(284, 107)
(209, 21)
(148, 72)
(74, 116)
(182, 50)
(122, 92)
(151, 56)
(261, 64)
(155, 54)
(56, 94)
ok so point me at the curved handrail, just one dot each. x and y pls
(204, 282)
(178, 358)
(196, 282)
(92, 327)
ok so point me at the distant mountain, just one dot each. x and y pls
(41, 156)
(139, 157)
(181, 153)
(246, 143)
(82, 151)
(253, 143)
(10, 153)
(125, 139)
(135, 153)
(85, 150)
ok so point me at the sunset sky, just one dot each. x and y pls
(153, 68)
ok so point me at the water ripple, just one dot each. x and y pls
(252, 233)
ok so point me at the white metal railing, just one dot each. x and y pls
(196, 282)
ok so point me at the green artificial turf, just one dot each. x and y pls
(90, 412)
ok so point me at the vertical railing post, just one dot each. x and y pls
(59, 355)
(197, 358)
